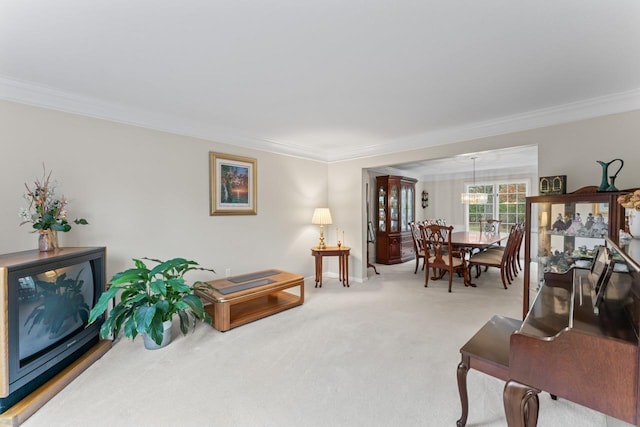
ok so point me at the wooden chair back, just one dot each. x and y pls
(502, 258)
(418, 244)
(441, 256)
(491, 226)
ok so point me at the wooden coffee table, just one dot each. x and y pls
(237, 300)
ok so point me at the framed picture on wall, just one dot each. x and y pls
(232, 183)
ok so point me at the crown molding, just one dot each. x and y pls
(55, 99)
(575, 111)
(47, 97)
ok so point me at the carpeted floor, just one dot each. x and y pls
(380, 353)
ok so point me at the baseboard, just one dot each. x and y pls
(22, 410)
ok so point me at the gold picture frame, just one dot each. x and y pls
(232, 185)
(552, 185)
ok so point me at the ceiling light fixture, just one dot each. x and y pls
(474, 198)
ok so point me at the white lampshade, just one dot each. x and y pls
(321, 216)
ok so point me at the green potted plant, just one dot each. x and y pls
(149, 300)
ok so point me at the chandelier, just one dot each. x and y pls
(474, 198)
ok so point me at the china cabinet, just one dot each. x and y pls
(395, 198)
(564, 231)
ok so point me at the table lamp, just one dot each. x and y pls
(321, 216)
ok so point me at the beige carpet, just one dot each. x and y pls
(381, 353)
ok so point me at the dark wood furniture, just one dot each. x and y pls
(476, 239)
(567, 345)
(418, 245)
(572, 351)
(237, 300)
(502, 257)
(442, 256)
(553, 242)
(395, 209)
(342, 252)
(488, 352)
(490, 225)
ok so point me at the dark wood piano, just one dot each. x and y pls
(579, 341)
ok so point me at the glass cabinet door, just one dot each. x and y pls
(382, 216)
(566, 235)
(394, 212)
(403, 209)
(406, 213)
(410, 205)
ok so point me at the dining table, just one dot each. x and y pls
(476, 239)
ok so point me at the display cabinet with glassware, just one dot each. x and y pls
(564, 231)
(395, 209)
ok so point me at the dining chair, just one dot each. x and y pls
(418, 245)
(514, 255)
(516, 251)
(501, 258)
(441, 257)
(490, 225)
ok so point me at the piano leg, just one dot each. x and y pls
(463, 368)
(520, 404)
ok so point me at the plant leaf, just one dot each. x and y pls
(143, 317)
(132, 275)
(101, 305)
(195, 304)
(158, 286)
(156, 329)
(184, 322)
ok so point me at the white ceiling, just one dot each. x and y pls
(326, 80)
(485, 164)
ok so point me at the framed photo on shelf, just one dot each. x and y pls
(553, 185)
(232, 185)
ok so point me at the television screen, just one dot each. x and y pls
(52, 305)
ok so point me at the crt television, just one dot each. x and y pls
(45, 299)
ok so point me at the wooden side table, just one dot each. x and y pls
(342, 252)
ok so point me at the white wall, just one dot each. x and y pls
(568, 149)
(146, 193)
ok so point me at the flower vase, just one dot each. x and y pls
(46, 241)
(634, 223)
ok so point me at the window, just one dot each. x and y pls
(506, 201)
